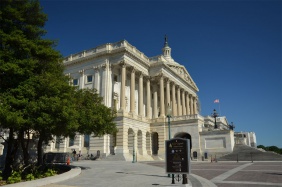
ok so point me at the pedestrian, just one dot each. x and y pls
(74, 154)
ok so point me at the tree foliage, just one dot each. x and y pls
(93, 117)
(271, 148)
(35, 96)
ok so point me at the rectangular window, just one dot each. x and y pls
(89, 78)
(86, 140)
(57, 142)
(115, 78)
(71, 142)
(75, 82)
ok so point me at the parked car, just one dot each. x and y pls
(55, 157)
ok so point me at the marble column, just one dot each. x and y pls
(162, 97)
(155, 102)
(191, 105)
(97, 79)
(148, 98)
(140, 95)
(132, 91)
(187, 104)
(183, 103)
(195, 105)
(174, 111)
(122, 89)
(178, 101)
(105, 87)
(167, 94)
(81, 80)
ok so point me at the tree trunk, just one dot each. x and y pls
(12, 148)
(39, 152)
(24, 145)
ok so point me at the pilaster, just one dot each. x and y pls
(140, 96)
(178, 101)
(148, 115)
(122, 89)
(132, 91)
(183, 103)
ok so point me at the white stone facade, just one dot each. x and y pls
(141, 89)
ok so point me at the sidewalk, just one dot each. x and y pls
(125, 174)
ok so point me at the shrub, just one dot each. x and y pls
(50, 172)
(30, 177)
(14, 178)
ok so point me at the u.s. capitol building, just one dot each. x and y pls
(144, 91)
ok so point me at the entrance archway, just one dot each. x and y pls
(185, 136)
(155, 143)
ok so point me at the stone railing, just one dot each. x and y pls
(186, 117)
(107, 48)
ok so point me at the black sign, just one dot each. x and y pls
(178, 155)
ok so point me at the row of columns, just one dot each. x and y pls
(188, 104)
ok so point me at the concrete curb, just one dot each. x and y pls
(48, 180)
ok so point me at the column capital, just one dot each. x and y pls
(132, 69)
(167, 80)
(96, 68)
(122, 63)
(146, 77)
(159, 76)
(81, 71)
(141, 74)
(104, 66)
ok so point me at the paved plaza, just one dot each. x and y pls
(204, 174)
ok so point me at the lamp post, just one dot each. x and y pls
(168, 119)
(231, 126)
(133, 148)
(215, 115)
(168, 122)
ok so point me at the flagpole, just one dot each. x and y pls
(217, 101)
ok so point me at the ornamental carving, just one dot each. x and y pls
(182, 72)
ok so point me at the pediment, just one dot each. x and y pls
(183, 73)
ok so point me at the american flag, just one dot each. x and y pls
(216, 101)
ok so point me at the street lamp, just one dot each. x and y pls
(133, 148)
(168, 119)
(231, 126)
(215, 115)
(168, 122)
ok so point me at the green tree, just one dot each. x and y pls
(23, 54)
(51, 109)
(35, 96)
(93, 116)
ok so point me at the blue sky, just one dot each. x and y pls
(231, 49)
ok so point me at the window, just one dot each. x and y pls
(71, 142)
(115, 78)
(89, 78)
(75, 82)
(57, 142)
(86, 140)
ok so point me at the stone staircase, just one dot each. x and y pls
(246, 153)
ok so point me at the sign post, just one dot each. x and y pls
(178, 157)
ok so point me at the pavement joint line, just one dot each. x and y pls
(204, 182)
(229, 173)
(246, 182)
